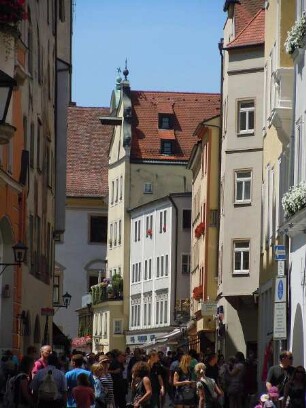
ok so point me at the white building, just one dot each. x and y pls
(295, 226)
(159, 270)
(80, 256)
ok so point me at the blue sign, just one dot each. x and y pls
(280, 290)
(280, 253)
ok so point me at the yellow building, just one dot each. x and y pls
(279, 17)
(205, 165)
(149, 150)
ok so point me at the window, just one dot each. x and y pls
(160, 222)
(246, 117)
(166, 265)
(93, 280)
(121, 188)
(39, 147)
(32, 145)
(166, 312)
(56, 289)
(135, 231)
(186, 219)
(163, 221)
(241, 257)
(139, 271)
(149, 312)
(145, 314)
(157, 267)
(110, 235)
(117, 191)
(243, 186)
(61, 10)
(119, 232)
(157, 313)
(213, 218)
(166, 147)
(112, 192)
(150, 269)
(146, 270)
(98, 229)
(139, 224)
(147, 188)
(185, 263)
(165, 121)
(115, 233)
(30, 45)
(117, 326)
(162, 266)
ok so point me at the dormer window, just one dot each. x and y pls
(165, 121)
(166, 147)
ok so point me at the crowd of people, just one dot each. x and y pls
(147, 380)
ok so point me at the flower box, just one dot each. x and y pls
(12, 12)
(294, 200)
(197, 292)
(149, 233)
(296, 36)
(199, 230)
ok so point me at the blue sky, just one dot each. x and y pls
(170, 45)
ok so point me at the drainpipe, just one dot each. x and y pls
(175, 259)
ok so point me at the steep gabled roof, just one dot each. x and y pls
(87, 152)
(252, 34)
(188, 110)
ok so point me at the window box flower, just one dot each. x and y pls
(296, 36)
(294, 200)
(197, 293)
(149, 233)
(199, 230)
(164, 228)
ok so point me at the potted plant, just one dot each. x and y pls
(117, 284)
(296, 36)
(294, 200)
(149, 233)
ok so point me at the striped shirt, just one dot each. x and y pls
(108, 386)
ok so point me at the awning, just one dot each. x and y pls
(168, 338)
(166, 134)
(81, 341)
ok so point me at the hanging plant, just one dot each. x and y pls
(294, 200)
(295, 37)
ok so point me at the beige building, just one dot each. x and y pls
(277, 121)
(205, 165)
(149, 150)
(241, 175)
(38, 56)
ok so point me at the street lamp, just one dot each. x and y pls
(20, 255)
(6, 89)
(66, 301)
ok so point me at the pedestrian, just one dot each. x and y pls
(83, 393)
(77, 361)
(107, 381)
(141, 385)
(52, 378)
(280, 374)
(157, 383)
(116, 369)
(42, 362)
(295, 389)
(212, 370)
(235, 372)
(207, 388)
(100, 395)
(185, 394)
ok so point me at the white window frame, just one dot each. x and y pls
(119, 328)
(150, 269)
(242, 251)
(247, 111)
(148, 188)
(184, 263)
(243, 180)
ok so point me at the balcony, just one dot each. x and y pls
(281, 115)
(108, 290)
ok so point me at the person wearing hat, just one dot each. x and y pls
(72, 375)
(107, 381)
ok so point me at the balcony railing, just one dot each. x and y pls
(103, 293)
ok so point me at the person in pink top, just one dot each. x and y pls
(83, 393)
(42, 362)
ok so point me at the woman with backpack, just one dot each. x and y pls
(141, 385)
(18, 393)
(185, 394)
(208, 390)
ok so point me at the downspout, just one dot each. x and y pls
(175, 258)
(220, 46)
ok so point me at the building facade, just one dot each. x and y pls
(205, 165)
(81, 254)
(241, 170)
(277, 126)
(149, 150)
(32, 174)
(160, 270)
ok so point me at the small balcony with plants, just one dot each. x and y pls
(11, 14)
(295, 40)
(294, 206)
(108, 290)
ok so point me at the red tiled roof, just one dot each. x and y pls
(244, 12)
(188, 110)
(87, 152)
(166, 134)
(252, 34)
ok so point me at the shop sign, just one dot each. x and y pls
(280, 321)
(209, 308)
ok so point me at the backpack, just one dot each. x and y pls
(9, 398)
(47, 391)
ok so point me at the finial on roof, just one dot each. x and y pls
(126, 71)
(118, 79)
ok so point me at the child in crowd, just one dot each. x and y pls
(83, 393)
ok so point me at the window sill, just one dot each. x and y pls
(243, 204)
(237, 274)
(246, 134)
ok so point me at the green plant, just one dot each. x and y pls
(117, 283)
(295, 37)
